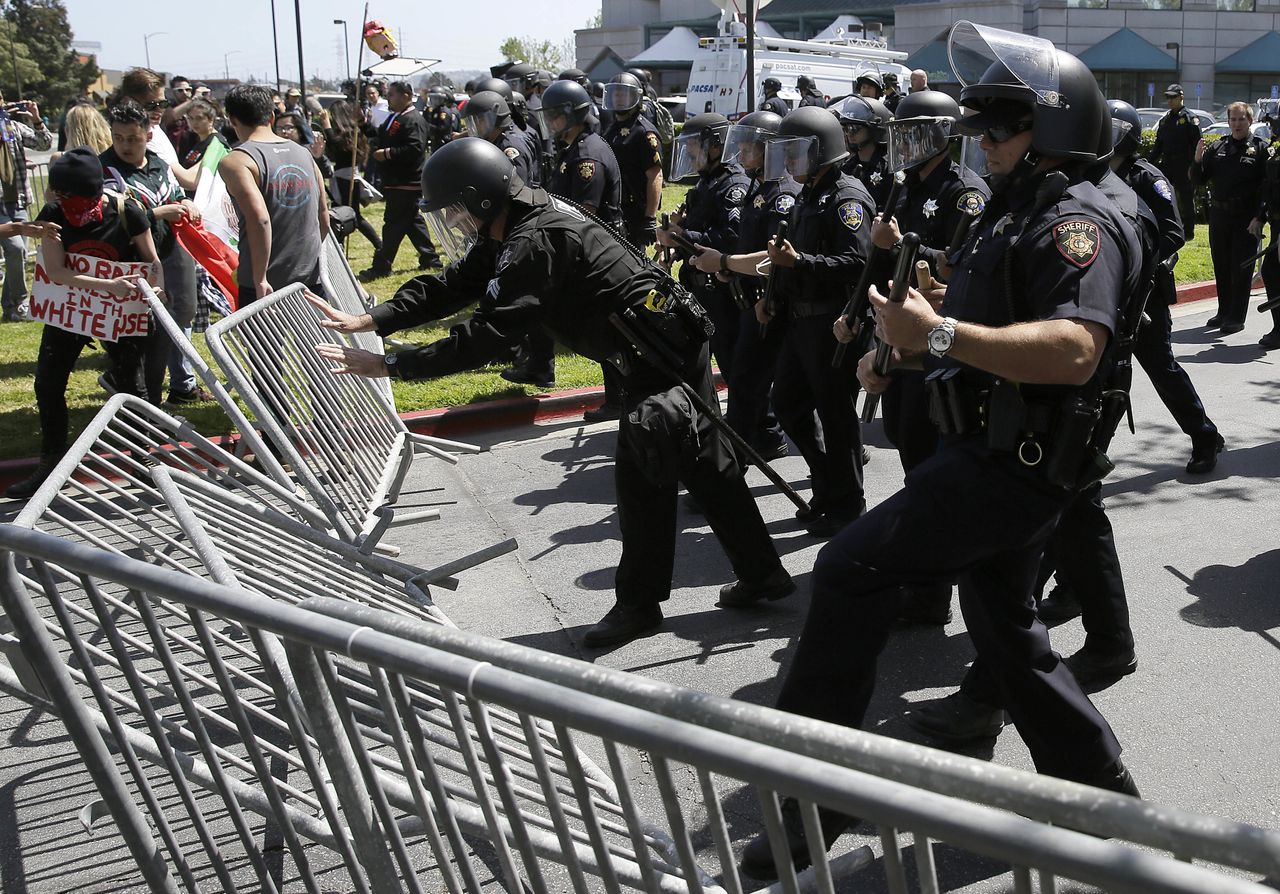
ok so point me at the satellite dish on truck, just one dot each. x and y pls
(739, 6)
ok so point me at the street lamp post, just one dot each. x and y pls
(226, 67)
(146, 44)
(345, 44)
(1177, 58)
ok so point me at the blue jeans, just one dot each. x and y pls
(180, 286)
(15, 258)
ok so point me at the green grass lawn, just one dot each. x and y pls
(19, 342)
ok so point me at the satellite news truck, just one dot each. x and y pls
(718, 80)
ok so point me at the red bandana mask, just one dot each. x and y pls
(81, 210)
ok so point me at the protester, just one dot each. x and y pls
(146, 88)
(173, 119)
(80, 219)
(85, 126)
(346, 146)
(22, 128)
(200, 140)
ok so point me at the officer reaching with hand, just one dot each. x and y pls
(635, 144)
(538, 261)
(772, 101)
(1012, 363)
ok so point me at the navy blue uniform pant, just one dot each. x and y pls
(963, 514)
(755, 358)
(1154, 353)
(1271, 276)
(1230, 245)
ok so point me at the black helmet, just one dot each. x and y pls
(597, 90)
(641, 74)
(518, 75)
(470, 86)
(863, 111)
(519, 106)
(573, 74)
(803, 83)
(469, 172)
(438, 96)
(921, 130)
(1028, 73)
(623, 93)
(750, 133)
(808, 138)
(568, 99)
(928, 104)
(872, 77)
(698, 137)
(494, 85)
(1126, 127)
(486, 110)
(771, 84)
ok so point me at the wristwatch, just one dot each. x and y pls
(724, 263)
(942, 337)
(390, 361)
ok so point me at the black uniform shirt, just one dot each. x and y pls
(515, 146)
(768, 203)
(831, 233)
(1176, 136)
(714, 207)
(874, 174)
(775, 104)
(1234, 170)
(404, 136)
(554, 268)
(891, 101)
(1070, 259)
(933, 208)
(587, 173)
(813, 99)
(1271, 184)
(1150, 184)
(442, 124)
(635, 145)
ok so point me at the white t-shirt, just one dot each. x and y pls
(161, 146)
(380, 112)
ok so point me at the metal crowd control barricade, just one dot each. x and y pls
(344, 292)
(452, 735)
(250, 440)
(347, 446)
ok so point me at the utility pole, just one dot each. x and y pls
(146, 43)
(275, 43)
(346, 45)
(302, 71)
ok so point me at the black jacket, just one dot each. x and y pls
(405, 136)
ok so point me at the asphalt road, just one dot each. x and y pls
(1201, 563)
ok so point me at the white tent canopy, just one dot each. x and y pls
(846, 22)
(764, 29)
(677, 45)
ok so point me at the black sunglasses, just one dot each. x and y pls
(157, 104)
(1000, 133)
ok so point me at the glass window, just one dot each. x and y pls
(1237, 5)
(1164, 4)
(1086, 4)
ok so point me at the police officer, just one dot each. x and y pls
(866, 133)
(1234, 169)
(442, 116)
(828, 244)
(540, 262)
(1153, 349)
(713, 211)
(1177, 133)
(530, 82)
(772, 101)
(892, 95)
(488, 117)
(635, 145)
(937, 195)
(755, 356)
(809, 94)
(1032, 303)
(869, 84)
(1271, 210)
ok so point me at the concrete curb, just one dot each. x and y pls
(452, 422)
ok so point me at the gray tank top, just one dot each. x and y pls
(288, 180)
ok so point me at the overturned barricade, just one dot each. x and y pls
(428, 758)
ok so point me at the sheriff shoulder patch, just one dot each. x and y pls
(784, 203)
(735, 195)
(511, 153)
(586, 169)
(652, 139)
(850, 214)
(971, 203)
(1078, 241)
(1163, 191)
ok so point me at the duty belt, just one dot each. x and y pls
(802, 309)
(1234, 206)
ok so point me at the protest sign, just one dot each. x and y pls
(88, 311)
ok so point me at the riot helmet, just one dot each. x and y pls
(577, 75)
(1001, 71)
(804, 83)
(808, 139)
(640, 74)
(872, 78)
(438, 96)
(922, 127)
(565, 105)
(771, 86)
(747, 139)
(623, 93)
(470, 86)
(494, 85)
(1126, 127)
(465, 184)
(519, 76)
(862, 116)
(486, 114)
(694, 150)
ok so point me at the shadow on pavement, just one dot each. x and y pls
(1243, 596)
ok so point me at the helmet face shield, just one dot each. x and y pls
(913, 141)
(745, 146)
(620, 97)
(434, 100)
(480, 123)
(688, 157)
(1031, 62)
(453, 228)
(557, 119)
(1119, 130)
(797, 156)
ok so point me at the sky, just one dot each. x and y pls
(201, 35)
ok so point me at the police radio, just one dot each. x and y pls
(907, 251)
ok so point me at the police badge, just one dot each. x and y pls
(511, 153)
(930, 208)
(1078, 241)
(736, 195)
(784, 204)
(1163, 191)
(850, 214)
(876, 177)
(971, 203)
(586, 169)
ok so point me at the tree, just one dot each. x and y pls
(544, 54)
(440, 79)
(44, 29)
(597, 20)
(28, 71)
